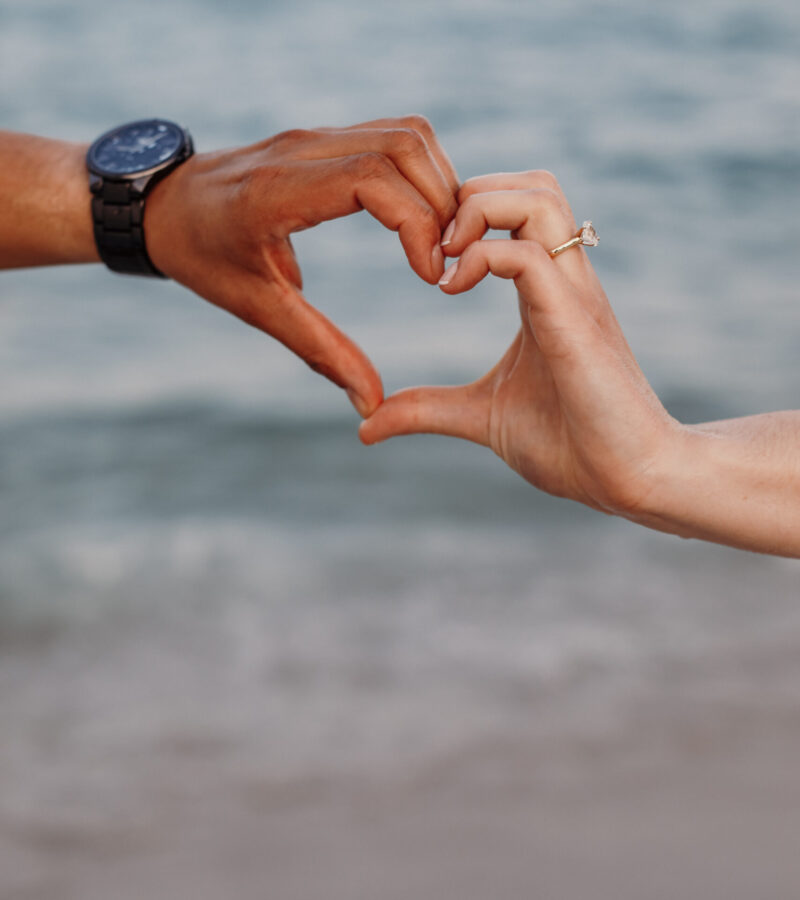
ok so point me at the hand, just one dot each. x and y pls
(567, 406)
(221, 225)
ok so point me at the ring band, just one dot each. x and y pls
(586, 237)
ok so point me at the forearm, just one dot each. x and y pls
(735, 482)
(45, 216)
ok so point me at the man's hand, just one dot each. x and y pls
(221, 225)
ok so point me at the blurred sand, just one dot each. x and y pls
(709, 822)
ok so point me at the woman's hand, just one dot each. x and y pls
(567, 406)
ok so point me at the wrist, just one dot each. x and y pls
(167, 221)
(733, 482)
(73, 212)
(676, 481)
(45, 216)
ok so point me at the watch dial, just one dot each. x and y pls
(136, 147)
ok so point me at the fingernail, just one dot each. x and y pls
(362, 434)
(447, 237)
(437, 259)
(359, 402)
(449, 275)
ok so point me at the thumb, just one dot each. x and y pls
(461, 412)
(293, 321)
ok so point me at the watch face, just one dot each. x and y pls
(136, 147)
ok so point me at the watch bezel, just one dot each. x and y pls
(184, 147)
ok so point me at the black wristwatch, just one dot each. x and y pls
(124, 164)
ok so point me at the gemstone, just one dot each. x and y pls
(589, 236)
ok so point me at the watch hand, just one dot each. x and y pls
(129, 148)
(150, 142)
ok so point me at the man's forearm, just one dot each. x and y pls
(45, 216)
(734, 482)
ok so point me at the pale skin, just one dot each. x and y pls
(221, 223)
(569, 409)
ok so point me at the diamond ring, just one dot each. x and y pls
(586, 237)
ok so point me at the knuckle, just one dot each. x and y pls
(469, 207)
(468, 214)
(426, 222)
(315, 361)
(430, 218)
(468, 189)
(418, 123)
(471, 254)
(549, 204)
(549, 199)
(371, 165)
(293, 136)
(318, 361)
(545, 179)
(407, 141)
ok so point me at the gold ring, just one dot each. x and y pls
(586, 236)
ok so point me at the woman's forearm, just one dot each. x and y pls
(45, 215)
(734, 482)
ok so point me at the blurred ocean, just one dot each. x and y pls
(242, 655)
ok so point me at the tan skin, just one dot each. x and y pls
(221, 223)
(568, 407)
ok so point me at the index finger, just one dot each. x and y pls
(424, 128)
(538, 179)
(371, 181)
(406, 148)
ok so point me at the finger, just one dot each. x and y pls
(461, 412)
(421, 125)
(319, 190)
(395, 203)
(560, 321)
(535, 179)
(406, 148)
(532, 214)
(315, 339)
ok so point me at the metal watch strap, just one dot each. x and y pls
(118, 217)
